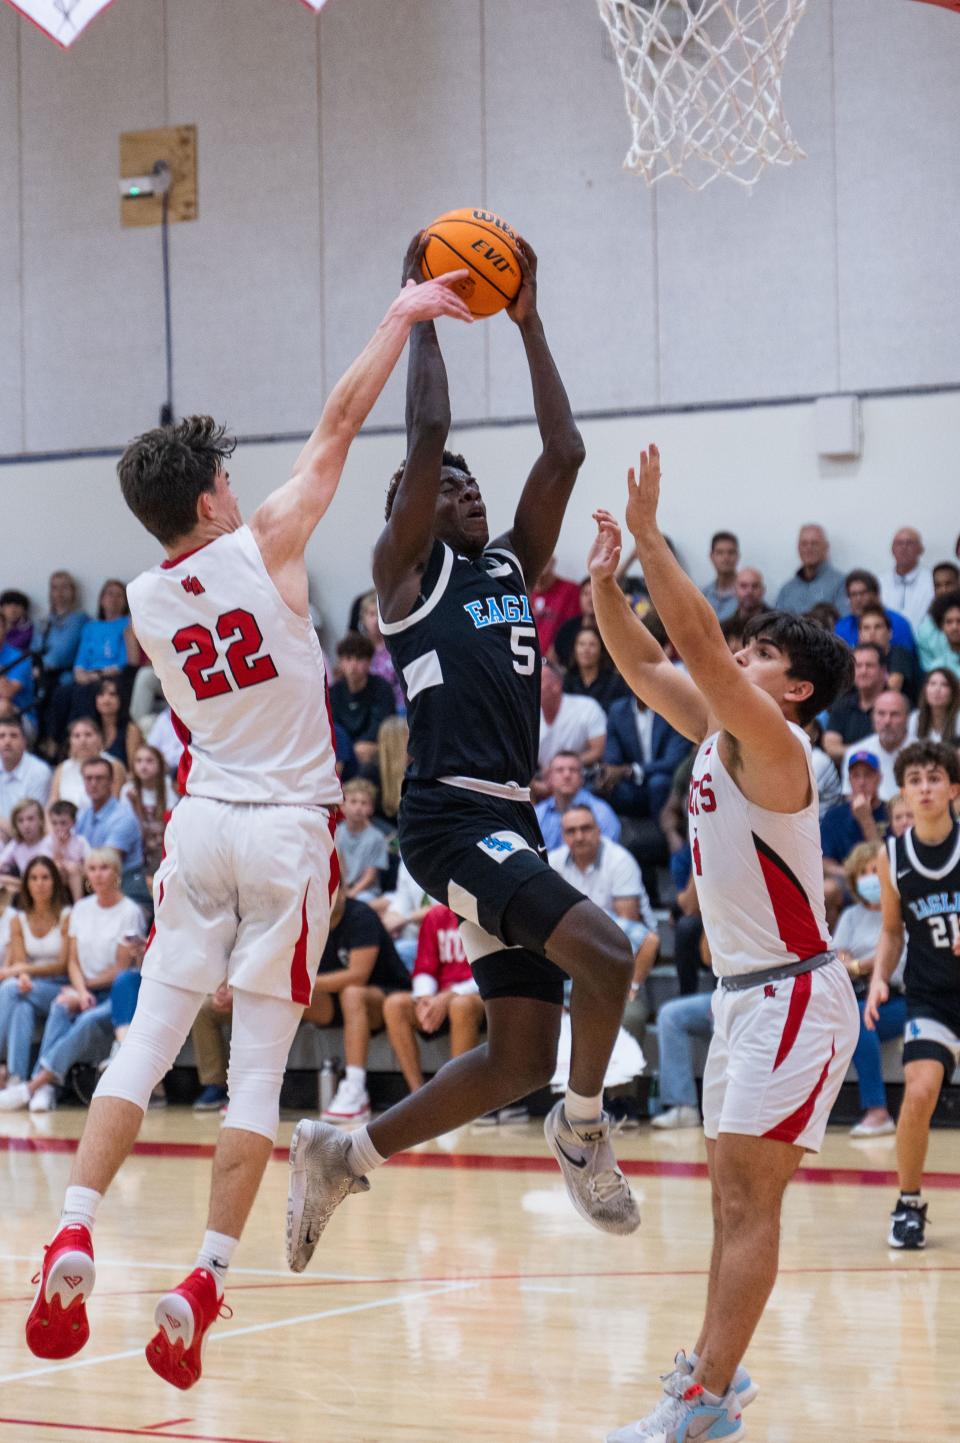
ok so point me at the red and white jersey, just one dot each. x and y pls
(243, 674)
(759, 874)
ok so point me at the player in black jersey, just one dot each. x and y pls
(920, 882)
(456, 618)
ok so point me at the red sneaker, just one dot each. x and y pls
(183, 1318)
(57, 1326)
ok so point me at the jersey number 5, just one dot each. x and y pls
(202, 662)
(526, 655)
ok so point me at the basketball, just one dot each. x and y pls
(487, 246)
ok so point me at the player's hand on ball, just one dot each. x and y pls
(603, 557)
(643, 494)
(430, 299)
(525, 305)
(413, 260)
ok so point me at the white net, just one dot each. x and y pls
(702, 85)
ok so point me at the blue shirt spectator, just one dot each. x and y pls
(565, 780)
(102, 645)
(863, 587)
(549, 816)
(60, 638)
(107, 821)
(815, 580)
(16, 668)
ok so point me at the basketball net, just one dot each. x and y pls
(701, 80)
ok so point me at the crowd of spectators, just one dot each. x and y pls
(88, 778)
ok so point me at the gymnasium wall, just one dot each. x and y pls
(324, 142)
(754, 470)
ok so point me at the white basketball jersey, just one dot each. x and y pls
(243, 675)
(759, 874)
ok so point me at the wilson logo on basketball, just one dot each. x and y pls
(488, 218)
(72, 1280)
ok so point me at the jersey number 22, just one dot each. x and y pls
(202, 660)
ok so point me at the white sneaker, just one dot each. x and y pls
(320, 1179)
(684, 1415)
(670, 1409)
(351, 1104)
(874, 1129)
(14, 1097)
(598, 1189)
(44, 1099)
(676, 1117)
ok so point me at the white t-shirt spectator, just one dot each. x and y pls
(578, 721)
(911, 595)
(613, 874)
(99, 931)
(888, 782)
(858, 932)
(913, 721)
(164, 738)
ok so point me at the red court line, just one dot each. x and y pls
(634, 1167)
(891, 1269)
(170, 1423)
(125, 1432)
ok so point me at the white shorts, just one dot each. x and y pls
(779, 1054)
(243, 896)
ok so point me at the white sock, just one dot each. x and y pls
(215, 1253)
(357, 1076)
(363, 1156)
(80, 1206)
(582, 1109)
(915, 1199)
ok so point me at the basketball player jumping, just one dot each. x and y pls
(457, 620)
(920, 887)
(786, 1020)
(243, 893)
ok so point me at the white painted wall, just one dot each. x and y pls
(755, 471)
(324, 142)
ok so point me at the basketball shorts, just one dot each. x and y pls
(778, 1056)
(932, 1038)
(243, 896)
(477, 853)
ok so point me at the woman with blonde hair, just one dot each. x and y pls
(392, 741)
(105, 933)
(855, 939)
(27, 825)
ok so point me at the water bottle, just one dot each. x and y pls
(329, 1076)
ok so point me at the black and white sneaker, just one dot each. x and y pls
(907, 1223)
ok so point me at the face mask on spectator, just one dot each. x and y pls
(868, 889)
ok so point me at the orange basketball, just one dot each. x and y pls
(486, 246)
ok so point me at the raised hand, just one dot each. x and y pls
(524, 306)
(643, 495)
(604, 555)
(430, 299)
(413, 260)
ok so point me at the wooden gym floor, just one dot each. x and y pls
(463, 1299)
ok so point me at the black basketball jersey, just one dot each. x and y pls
(928, 880)
(469, 662)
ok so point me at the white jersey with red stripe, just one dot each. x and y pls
(759, 874)
(243, 674)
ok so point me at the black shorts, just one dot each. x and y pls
(933, 1035)
(476, 853)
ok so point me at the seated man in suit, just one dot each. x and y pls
(641, 754)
